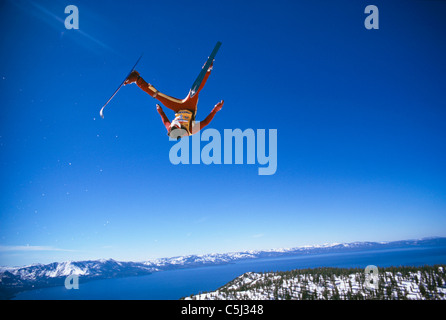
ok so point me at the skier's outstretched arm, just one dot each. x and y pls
(208, 119)
(164, 118)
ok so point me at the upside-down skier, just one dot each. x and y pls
(185, 110)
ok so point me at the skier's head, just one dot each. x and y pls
(176, 133)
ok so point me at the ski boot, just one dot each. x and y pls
(132, 78)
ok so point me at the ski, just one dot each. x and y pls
(203, 71)
(101, 113)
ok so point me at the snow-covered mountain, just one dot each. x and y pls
(13, 280)
(16, 279)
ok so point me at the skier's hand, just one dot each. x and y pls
(219, 105)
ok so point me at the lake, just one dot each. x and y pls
(174, 284)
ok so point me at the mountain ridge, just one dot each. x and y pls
(17, 279)
(391, 283)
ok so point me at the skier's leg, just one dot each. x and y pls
(170, 102)
(203, 82)
(190, 103)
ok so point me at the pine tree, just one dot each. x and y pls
(423, 290)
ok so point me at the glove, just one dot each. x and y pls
(219, 105)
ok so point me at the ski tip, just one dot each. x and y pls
(101, 113)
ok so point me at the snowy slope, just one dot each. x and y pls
(423, 283)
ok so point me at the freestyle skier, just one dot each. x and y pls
(185, 110)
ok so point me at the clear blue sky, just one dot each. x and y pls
(360, 116)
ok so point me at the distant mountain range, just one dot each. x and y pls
(17, 279)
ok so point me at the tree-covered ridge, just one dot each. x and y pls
(393, 283)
